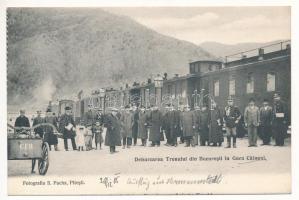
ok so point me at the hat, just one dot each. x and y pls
(230, 98)
(114, 109)
(196, 107)
(276, 94)
(68, 108)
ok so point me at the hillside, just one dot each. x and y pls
(57, 52)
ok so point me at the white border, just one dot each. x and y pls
(156, 3)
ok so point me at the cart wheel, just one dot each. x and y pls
(43, 162)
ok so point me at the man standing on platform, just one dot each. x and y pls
(127, 122)
(280, 120)
(204, 126)
(38, 120)
(50, 137)
(155, 120)
(67, 127)
(251, 118)
(187, 126)
(135, 113)
(266, 122)
(142, 126)
(196, 116)
(112, 123)
(231, 118)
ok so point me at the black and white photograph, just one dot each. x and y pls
(148, 100)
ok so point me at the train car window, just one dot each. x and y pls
(271, 81)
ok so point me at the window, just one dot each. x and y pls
(196, 69)
(250, 83)
(169, 89)
(271, 79)
(192, 68)
(232, 85)
(216, 88)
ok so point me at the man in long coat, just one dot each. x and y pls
(67, 128)
(172, 119)
(127, 121)
(280, 120)
(204, 126)
(155, 120)
(112, 123)
(135, 113)
(50, 137)
(266, 122)
(38, 120)
(196, 117)
(166, 125)
(215, 127)
(142, 126)
(187, 124)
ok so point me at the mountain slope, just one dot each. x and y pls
(54, 52)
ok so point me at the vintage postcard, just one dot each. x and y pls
(148, 100)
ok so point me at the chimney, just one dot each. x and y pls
(261, 54)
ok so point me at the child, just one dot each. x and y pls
(88, 138)
(98, 135)
(80, 132)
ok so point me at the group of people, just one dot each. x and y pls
(202, 126)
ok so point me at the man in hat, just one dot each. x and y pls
(135, 113)
(155, 120)
(143, 126)
(166, 124)
(215, 126)
(38, 120)
(50, 137)
(112, 123)
(266, 122)
(231, 118)
(196, 116)
(204, 125)
(127, 122)
(252, 119)
(280, 120)
(187, 124)
(67, 128)
(22, 120)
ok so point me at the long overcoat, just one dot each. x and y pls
(187, 122)
(112, 123)
(50, 137)
(204, 125)
(135, 123)
(215, 130)
(142, 125)
(280, 120)
(127, 120)
(155, 120)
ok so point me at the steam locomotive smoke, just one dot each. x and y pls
(44, 93)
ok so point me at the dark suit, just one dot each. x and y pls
(265, 124)
(280, 120)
